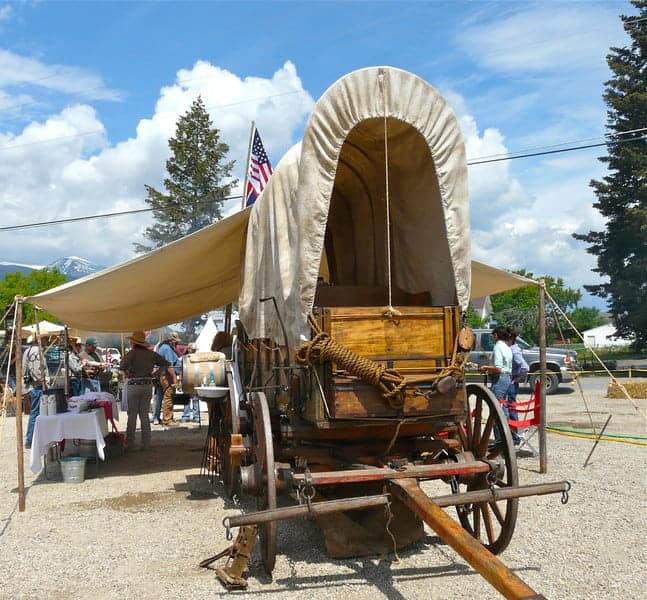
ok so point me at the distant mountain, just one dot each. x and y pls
(75, 267)
(71, 266)
(7, 267)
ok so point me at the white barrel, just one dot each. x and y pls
(203, 366)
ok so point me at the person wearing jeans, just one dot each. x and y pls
(500, 372)
(36, 377)
(192, 405)
(519, 372)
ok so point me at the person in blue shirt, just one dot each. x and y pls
(167, 378)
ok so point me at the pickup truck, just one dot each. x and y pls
(561, 364)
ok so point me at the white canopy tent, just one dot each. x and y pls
(205, 338)
(44, 328)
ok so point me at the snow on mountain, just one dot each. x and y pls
(75, 267)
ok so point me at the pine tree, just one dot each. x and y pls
(195, 184)
(621, 249)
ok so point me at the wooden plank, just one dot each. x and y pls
(483, 561)
(360, 430)
(418, 333)
(361, 400)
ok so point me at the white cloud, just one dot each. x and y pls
(529, 224)
(65, 167)
(545, 37)
(23, 70)
(55, 169)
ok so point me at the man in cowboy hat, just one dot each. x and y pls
(36, 377)
(138, 364)
(167, 378)
(92, 365)
(75, 365)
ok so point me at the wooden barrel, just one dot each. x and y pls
(199, 367)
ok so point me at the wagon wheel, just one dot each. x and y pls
(264, 476)
(229, 422)
(492, 523)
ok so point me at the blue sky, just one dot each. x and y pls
(90, 92)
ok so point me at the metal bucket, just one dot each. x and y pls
(199, 367)
(73, 469)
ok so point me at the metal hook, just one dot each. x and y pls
(564, 499)
(227, 526)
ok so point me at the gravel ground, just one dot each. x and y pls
(137, 531)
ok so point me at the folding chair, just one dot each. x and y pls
(530, 426)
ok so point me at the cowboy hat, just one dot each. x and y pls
(139, 338)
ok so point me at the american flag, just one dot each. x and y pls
(260, 170)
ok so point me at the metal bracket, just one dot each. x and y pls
(237, 558)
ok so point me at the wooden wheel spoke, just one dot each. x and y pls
(477, 520)
(468, 420)
(497, 512)
(462, 435)
(487, 520)
(481, 450)
(478, 411)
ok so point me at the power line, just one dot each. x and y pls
(101, 216)
(571, 143)
(143, 210)
(545, 152)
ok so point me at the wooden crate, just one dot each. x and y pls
(419, 341)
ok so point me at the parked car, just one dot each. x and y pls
(561, 363)
(113, 356)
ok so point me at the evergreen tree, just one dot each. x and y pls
(621, 249)
(520, 308)
(195, 184)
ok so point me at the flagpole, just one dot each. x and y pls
(249, 154)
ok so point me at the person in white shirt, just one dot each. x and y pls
(500, 373)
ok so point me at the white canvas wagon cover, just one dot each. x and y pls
(332, 196)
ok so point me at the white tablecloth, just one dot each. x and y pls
(54, 428)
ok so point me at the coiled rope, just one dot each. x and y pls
(322, 348)
(391, 383)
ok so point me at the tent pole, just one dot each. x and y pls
(66, 379)
(19, 448)
(228, 318)
(543, 458)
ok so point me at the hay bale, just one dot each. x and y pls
(635, 389)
